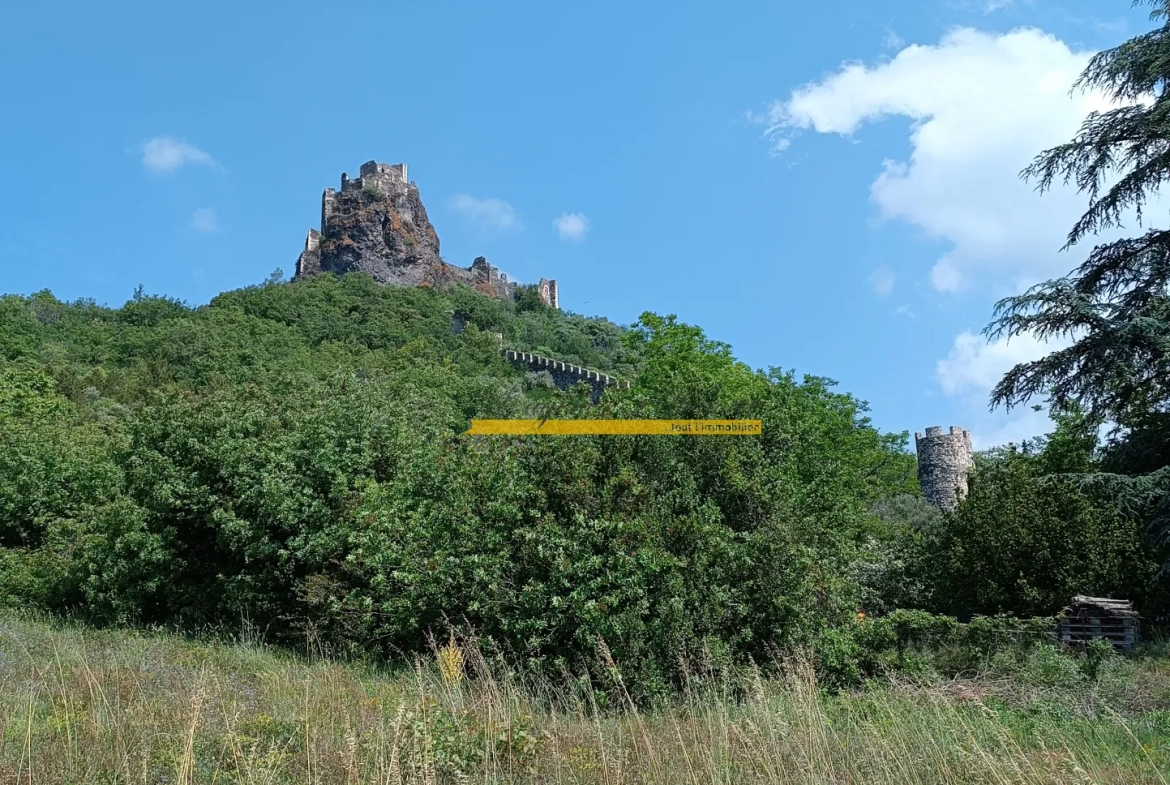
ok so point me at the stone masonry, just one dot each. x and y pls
(377, 224)
(565, 375)
(944, 463)
(548, 292)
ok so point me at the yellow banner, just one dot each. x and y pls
(615, 427)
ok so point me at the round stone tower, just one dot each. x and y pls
(944, 461)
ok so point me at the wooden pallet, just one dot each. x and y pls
(1099, 618)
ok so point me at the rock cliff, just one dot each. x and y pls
(377, 224)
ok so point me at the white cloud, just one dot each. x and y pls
(999, 431)
(982, 107)
(881, 281)
(892, 40)
(976, 365)
(904, 310)
(205, 220)
(166, 154)
(572, 226)
(491, 212)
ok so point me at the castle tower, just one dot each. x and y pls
(944, 463)
(547, 291)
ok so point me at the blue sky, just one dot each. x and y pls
(829, 187)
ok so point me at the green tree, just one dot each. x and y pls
(53, 466)
(1115, 307)
(292, 452)
(1072, 447)
(1024, 543)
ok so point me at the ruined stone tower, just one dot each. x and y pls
(944, 461)
(547, 290)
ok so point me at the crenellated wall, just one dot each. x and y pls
(565, 375)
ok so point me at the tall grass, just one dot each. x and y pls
(81, 706)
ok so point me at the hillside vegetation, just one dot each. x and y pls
(290, 454)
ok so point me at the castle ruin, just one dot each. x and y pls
(944, 463)
(548, 292)
(377, 224)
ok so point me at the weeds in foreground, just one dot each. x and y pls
(81, 706)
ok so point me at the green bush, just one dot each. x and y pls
(291, 454)
(914, 642)
(1025, 543)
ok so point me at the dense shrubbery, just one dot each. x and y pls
(290, 455)
(1037, 529)
(1024, 543)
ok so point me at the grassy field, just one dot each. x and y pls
(83, 706)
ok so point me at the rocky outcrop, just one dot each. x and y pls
(377, 224)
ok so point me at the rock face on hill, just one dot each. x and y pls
(377, 224)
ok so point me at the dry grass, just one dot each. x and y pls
(102, 707)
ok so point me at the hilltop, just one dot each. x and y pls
(377, 224)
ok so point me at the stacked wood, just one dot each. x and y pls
(1099, 618)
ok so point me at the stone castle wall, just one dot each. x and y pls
(565, 375)
(328, 206)
(944, 464)
(485, 273)
(375, 175)
(548, 293)
(375, 171)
